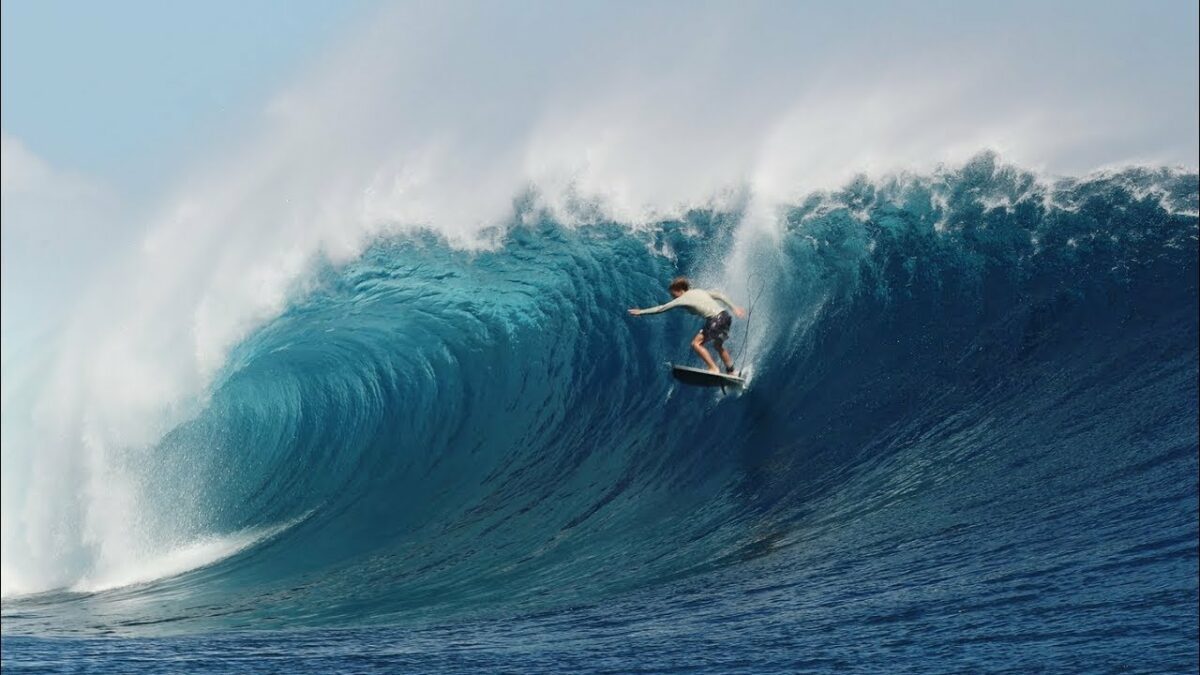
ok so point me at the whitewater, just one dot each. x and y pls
(362, 392)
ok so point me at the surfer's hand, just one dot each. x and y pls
(635, 312)
(741, 313)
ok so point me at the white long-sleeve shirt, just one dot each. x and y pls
(697, 301)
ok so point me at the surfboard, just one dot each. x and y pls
(703, 377)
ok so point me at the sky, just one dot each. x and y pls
(123, 90)
(127, 91)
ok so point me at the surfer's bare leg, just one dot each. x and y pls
(698, 345)
(726, 358)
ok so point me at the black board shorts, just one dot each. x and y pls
(716, 329)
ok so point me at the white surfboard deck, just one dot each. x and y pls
(703, 377)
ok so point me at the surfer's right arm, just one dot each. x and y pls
(718, 295)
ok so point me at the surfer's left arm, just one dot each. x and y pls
(721, 297)
(655, 310)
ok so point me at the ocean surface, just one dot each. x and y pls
(968, 444)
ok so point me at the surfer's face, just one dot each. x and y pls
(676, 293)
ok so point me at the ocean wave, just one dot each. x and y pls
(452, 430)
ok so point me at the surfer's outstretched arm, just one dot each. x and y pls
(655, 310)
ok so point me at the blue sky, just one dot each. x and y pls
(127, 91)
(119, 89)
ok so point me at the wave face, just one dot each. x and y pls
(971, 422)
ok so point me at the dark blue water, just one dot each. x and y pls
(969, 443)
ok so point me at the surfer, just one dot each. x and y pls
(716, 320)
